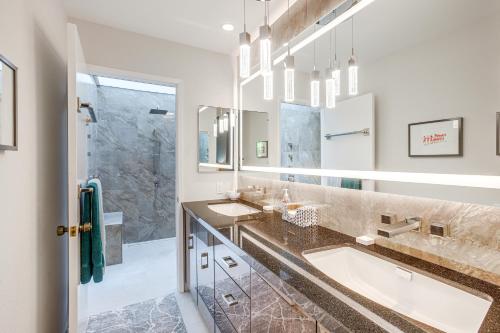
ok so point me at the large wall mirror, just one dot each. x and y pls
(424, 99)
(215, 138)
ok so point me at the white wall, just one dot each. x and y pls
(207, 79)
(33, 179)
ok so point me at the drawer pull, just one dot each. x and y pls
(229, 299)
(204, 256)
(230, 262)
(190, 242)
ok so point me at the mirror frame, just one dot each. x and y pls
(217, 167)
(303, 40)
(14, 147)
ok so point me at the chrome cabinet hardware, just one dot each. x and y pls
(229, 299)
(190, 242)
(230, 262)
(204, 255)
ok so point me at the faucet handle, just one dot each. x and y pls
(388, 218)
(440, 229)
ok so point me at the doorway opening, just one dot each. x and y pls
(128, 140)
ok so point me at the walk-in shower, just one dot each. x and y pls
(132, 149)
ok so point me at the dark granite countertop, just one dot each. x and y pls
(290, 241)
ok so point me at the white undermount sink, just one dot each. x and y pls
(233, 209)
(412, 294)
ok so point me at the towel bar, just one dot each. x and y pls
(364, 131)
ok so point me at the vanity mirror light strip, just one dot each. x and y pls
(479, 181)
(218, 166)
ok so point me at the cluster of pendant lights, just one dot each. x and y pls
(333, 72)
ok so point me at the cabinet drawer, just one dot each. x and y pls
(234, 266)
(223, 325)
(272, 313)
(232, 301)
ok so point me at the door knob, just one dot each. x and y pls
(61, 230)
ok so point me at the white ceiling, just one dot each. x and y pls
(192, 22)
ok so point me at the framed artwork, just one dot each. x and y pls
(498, 133)
(262, 149)
(8, 105)
(438, 138)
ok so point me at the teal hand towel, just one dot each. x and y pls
(85, 240)
(353, 184)
(95, 234)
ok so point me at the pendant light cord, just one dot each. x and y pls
(314, 48)
(335, 41)
(331, 51)
(288, 26)
(244, 15)
(352, 34)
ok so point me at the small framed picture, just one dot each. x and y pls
(498, 133)
(438, 138)
(262, 149)
(8, 105)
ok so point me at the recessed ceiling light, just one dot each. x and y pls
(228, 27)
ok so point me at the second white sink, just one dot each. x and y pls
(233, 209)
(415, 295)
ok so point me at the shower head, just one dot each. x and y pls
(158, 111)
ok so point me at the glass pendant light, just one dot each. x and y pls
(289, 79)
(226, 123)
(268, 85)
(315, 88)
(265, 44)
(289, 70)
(220, 125)
(244, 47)
(330, 95)
(315, 81)
(353, 67)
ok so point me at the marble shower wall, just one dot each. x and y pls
(300, 140)
(133, 153)
(473, 247)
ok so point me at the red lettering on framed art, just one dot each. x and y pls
(434, 138)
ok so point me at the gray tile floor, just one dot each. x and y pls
(161, 315)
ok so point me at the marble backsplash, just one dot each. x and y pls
(473, 247)
(133, 153)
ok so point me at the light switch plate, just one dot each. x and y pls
(219, 187)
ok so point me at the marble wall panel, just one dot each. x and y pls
(133, 153)
(473, 247)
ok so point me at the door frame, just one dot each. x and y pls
(179, 145)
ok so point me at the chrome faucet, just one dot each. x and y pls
(391, 230)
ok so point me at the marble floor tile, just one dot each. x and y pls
(160, 315)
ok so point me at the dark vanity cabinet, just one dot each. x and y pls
(231, 296)
(273, 313)
(205, 271)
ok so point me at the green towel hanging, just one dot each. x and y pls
(353, 184)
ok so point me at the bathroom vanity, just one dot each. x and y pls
(258, 273)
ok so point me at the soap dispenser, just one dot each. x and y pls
(285, 200)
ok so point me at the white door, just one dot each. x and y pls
(80, 88)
